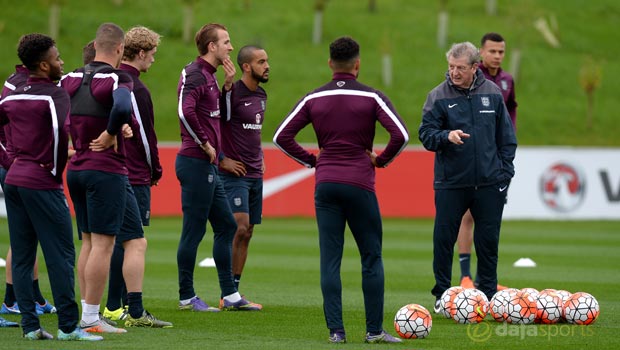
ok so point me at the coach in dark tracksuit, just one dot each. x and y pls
(344, 114)
(466, 124)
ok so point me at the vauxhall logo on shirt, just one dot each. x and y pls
(257, 126)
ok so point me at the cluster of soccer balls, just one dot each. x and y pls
(520, 306)
(516, 306)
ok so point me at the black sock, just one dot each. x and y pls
(464, 261)
(9, 295)
(36, 291)
(134, 300)
(116, 283)
(237, 279)
(124, 298)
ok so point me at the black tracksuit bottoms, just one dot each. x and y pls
(336, 206)
(42, 217)
(487, 205)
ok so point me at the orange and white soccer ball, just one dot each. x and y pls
(413, 321)
(521, 309)
(547, 290)
(533, 292)
(446, 301)
(471, 306)
(581, 308)
(548, 307)
(498, 303)
(565, 295)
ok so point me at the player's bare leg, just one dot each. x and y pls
(96, 269)
(133, 264)
(9, 270)
(240, 245)
(81, 263)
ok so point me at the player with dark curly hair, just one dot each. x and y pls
(36, 206)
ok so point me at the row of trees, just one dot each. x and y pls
(589, 77)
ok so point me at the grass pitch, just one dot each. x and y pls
(282, 274)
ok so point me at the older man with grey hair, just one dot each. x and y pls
(466, 124)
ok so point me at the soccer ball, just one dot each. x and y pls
(447, 301)
(521, 309)
(547, 290)
(413, 321)
(471, 306)
(548, 307)
(564, 295)
(533, 292)
(581, 308)
(497, 306)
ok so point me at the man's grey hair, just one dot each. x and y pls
(465, 49)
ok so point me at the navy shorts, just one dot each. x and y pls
(245, 195)
(98, 200)
(131, 228)
(104, 203)
(143, 197)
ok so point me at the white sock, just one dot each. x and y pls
(90, 313)
(233, 298)
(83, 302)
(187, 301)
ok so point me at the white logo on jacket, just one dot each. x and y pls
(485, 101)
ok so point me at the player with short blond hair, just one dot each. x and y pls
(142, 160)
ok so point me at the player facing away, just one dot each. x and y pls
(241, 160)
(344, 114)
(36, 205)
(202, 193)
(142, 155)
(9, 305)
(492, 52)
(104, 202)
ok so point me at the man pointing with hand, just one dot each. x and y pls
(466, 124)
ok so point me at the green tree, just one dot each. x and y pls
(590, 77)
(188, 19)
(317, 32)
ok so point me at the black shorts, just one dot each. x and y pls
(104, 203)
(245, 195)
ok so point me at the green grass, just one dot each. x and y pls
(552, 105)
(282, 274)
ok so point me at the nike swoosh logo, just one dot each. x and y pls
(279, 183)
(247, 103)
(462, 259)
(450, 106)
(502, 189)
(479, 311)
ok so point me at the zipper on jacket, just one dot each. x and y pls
(473, 125)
